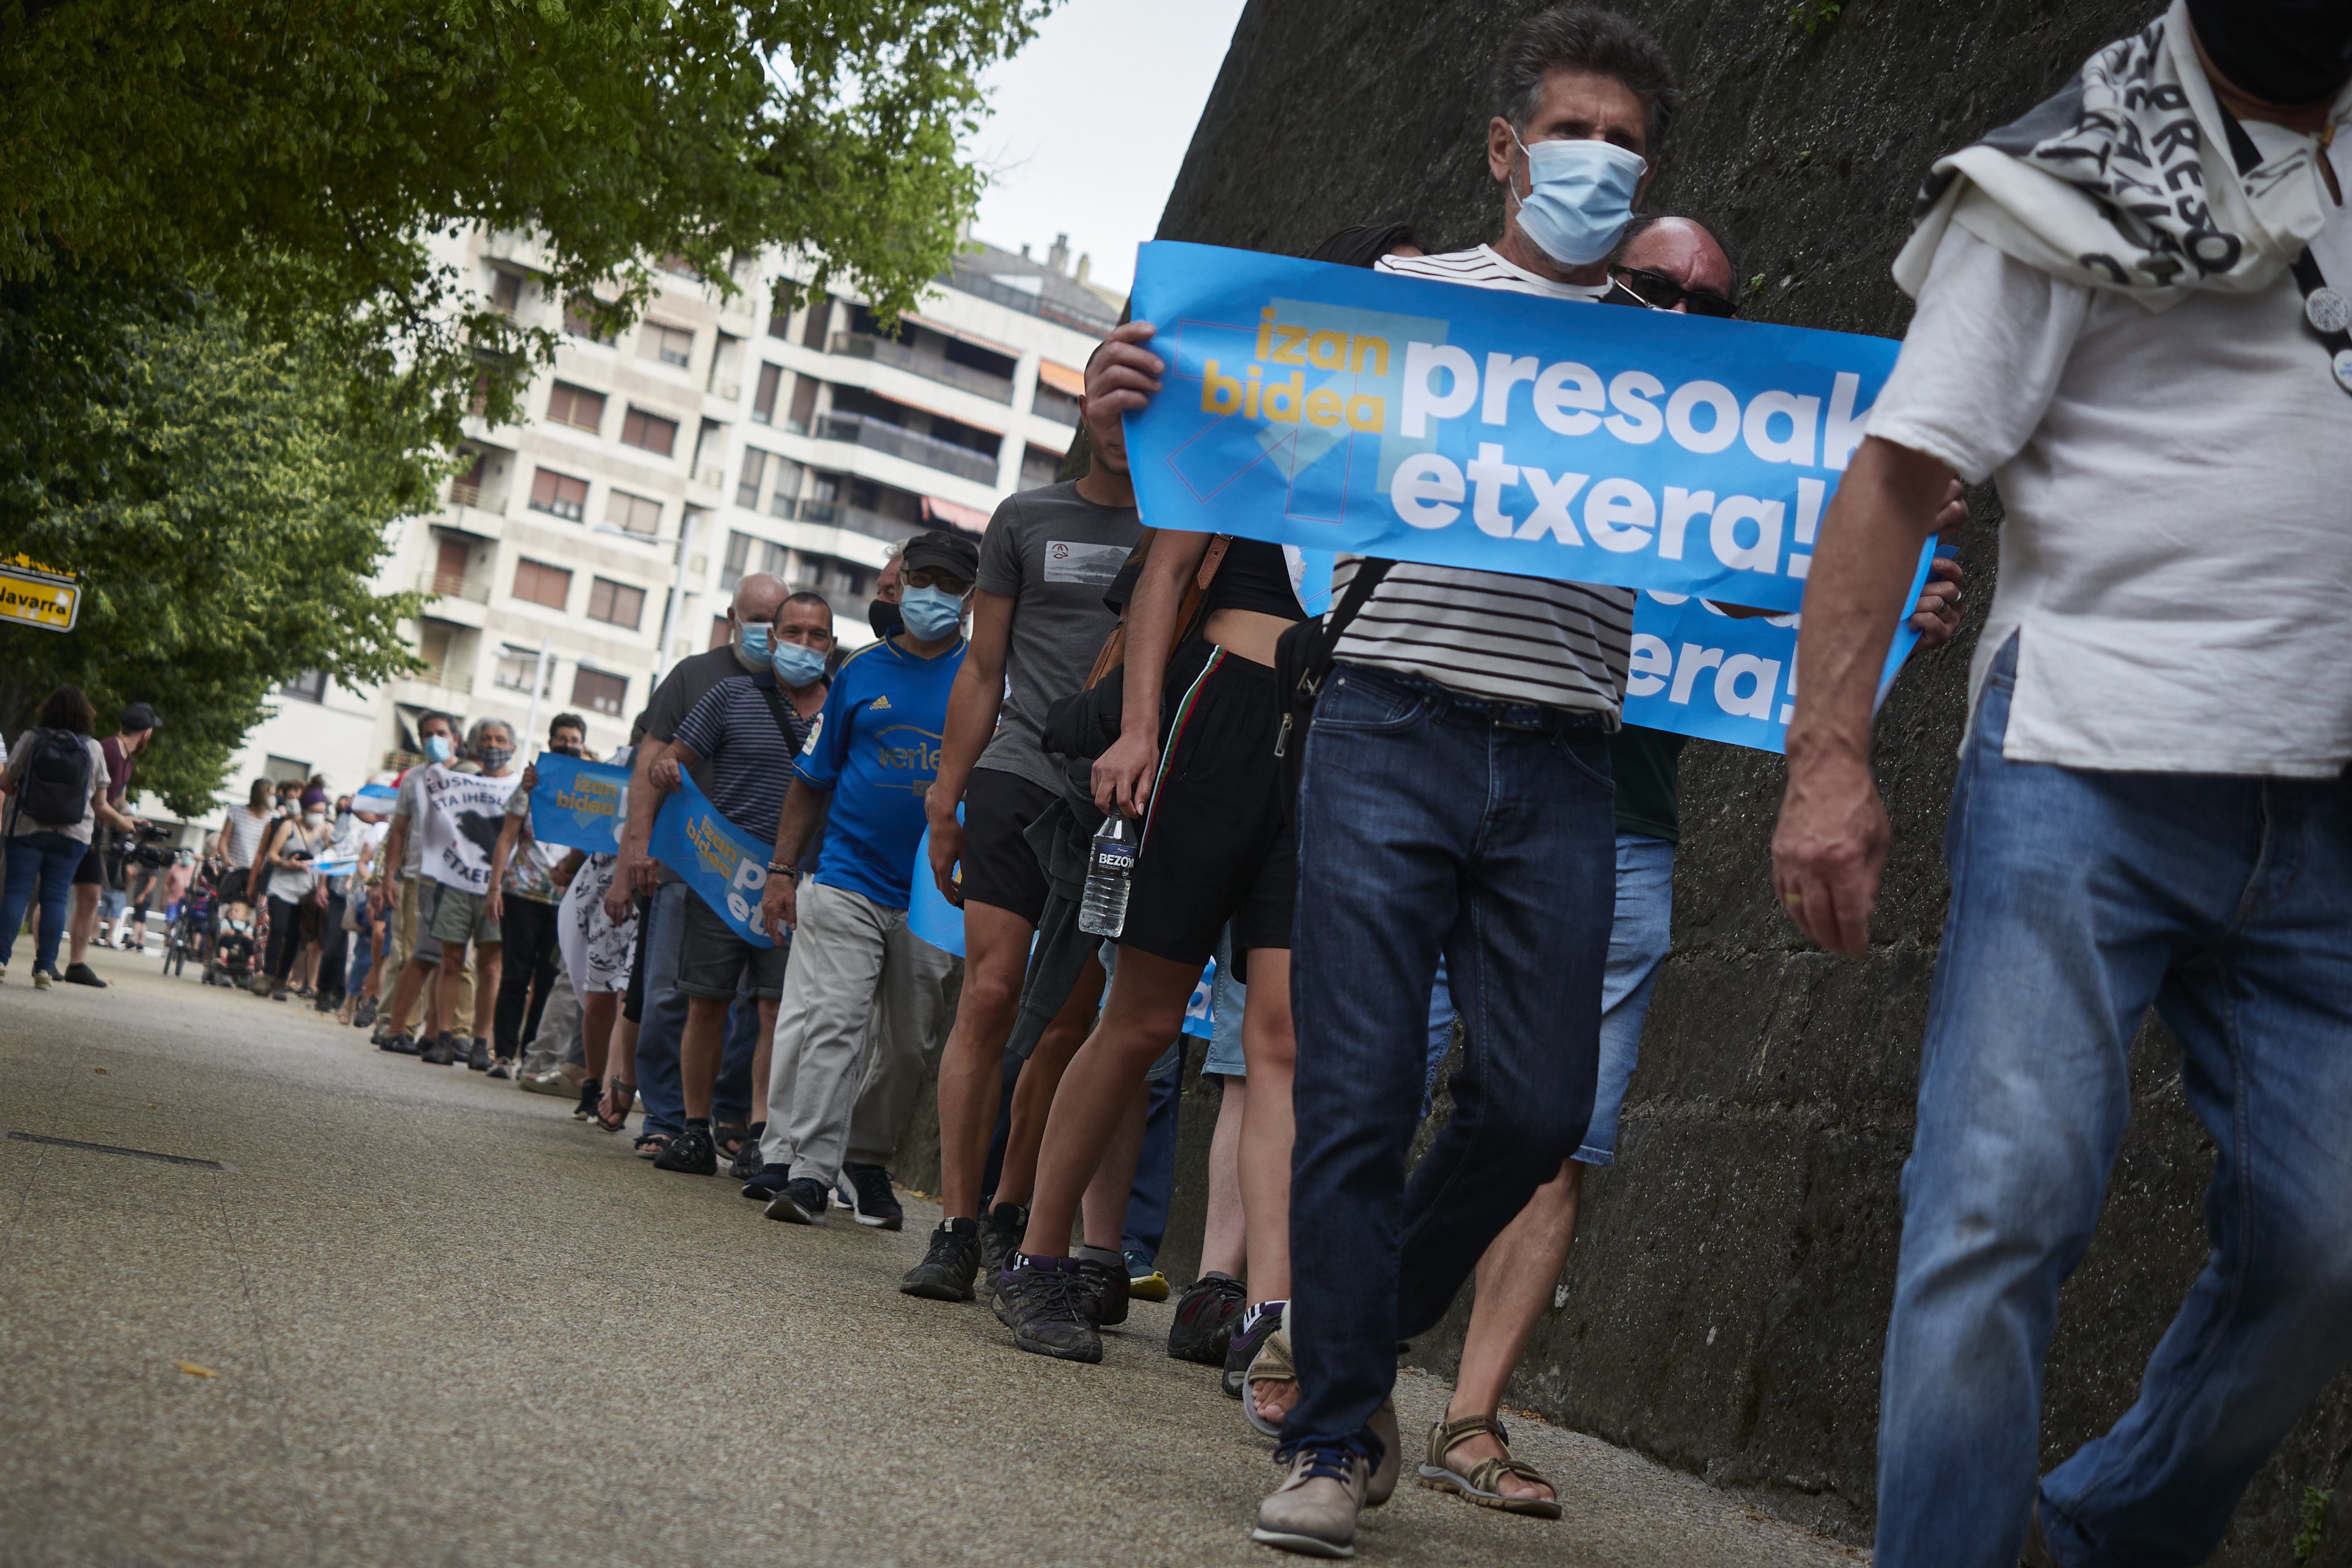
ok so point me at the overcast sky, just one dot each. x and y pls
(1090, 125)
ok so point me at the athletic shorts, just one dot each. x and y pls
(1218, 844)
(460, 918)
(717, 959)
(92, 871)
(999, 866)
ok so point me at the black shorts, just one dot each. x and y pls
(92, 871)
(1218, 844)
(716, 961)
(632, 999)
(999, 866)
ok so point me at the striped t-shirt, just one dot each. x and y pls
(1487, 634)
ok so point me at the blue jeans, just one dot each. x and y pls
(2079, 899)
(51, 859)
(1639, 935)
(659, 1083)
(1428, 822)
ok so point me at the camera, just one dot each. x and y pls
(147, 848)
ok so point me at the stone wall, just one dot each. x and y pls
(1725, 1307)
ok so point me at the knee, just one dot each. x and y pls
(990, 1000)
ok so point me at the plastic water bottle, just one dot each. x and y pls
(1102, 911)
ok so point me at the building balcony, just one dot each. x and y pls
(979, 285)
(945, 457)
(842, 514)
(930, 367)
(452, 585)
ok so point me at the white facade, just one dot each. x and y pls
(803, 445)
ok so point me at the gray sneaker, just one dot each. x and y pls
(1313, 1512)
(1043, 1301)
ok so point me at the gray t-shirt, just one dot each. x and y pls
(1052, 552)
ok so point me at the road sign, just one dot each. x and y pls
(31, 596)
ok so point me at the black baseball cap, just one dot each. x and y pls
(940, 551)
(138, 717)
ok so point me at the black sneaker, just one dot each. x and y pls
(1243, 1349)
(441, 1053)
(865, 1193)
(999, 1235)
(1103, 1287)
(803, 1201)
(364, 1015)
(592, 1090)
(82, 975)
(479, 1058)
(747, 1164)
(946, 1272)
(1205, 1318)
(764, 1186)
(1043, 1301)
(691, 1152)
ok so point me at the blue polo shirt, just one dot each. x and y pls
(876, 747)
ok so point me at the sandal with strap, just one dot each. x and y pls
(730, 1140)
(1481, 1486)
(1271, 1364)
(626, 1094)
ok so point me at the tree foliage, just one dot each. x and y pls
(224, 504)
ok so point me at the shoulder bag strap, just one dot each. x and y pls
(1369, 573)
(783, 716)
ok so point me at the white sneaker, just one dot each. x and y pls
(42, 980)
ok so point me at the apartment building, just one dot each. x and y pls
(586, 546)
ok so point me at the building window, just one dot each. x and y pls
(616, 602)
(746, 555)
(747, 487)
(649, 430)
(536, 582)
(505, 289)
(580, 324)
(670, 345)
(576, 407)
(310, 685)
(595, 689)
(515, 666)
(633, 514)
(763, 402)
(558, 493)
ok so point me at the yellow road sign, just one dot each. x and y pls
(51, 601)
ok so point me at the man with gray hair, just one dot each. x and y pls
(459, 827)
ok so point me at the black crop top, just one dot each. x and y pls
(1254, 575)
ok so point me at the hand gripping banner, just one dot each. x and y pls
(579, 804)
(724, 867)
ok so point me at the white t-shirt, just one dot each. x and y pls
(2179, 495)
(1487, 634)
(241, 835)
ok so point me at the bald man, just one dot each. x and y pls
(750, 621)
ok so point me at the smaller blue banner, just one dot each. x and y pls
(375, 800)
(724, 867)
(578, 803)
(930, 916)
(1199, 1017)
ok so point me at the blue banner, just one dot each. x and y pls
(375, 800)
(578, 803)
(1340, 409)
(1199, 1015)
(723, 865)
(929, 916)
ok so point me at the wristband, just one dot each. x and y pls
(784, 868)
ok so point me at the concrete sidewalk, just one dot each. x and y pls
(448, 1324)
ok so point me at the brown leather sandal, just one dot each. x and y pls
(1480, 1485)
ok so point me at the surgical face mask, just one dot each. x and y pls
(883, 616)
(1580, 197)
(437, 749)
(313, 819)
(931, 613)
(751, 643)
(797, 663)
(494, 757)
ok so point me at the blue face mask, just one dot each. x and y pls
(1580, 197)
(753, 640)
(931, 613)
(797, 663)
(437, 749)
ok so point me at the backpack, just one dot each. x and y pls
(54, 789)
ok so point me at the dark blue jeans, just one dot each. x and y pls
(659, 1085)
(1430, 824)
(51, 859)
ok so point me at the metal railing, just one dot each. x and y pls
(931, 366)
(452, 585)
(461, 493)
(842, 514)
(978, 284)
(927, 450)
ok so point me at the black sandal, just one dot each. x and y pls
(652, 1146)
(628, 1096)
(730, 1140)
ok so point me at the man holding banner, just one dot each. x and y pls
(522, 901)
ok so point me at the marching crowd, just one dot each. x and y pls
(1472, 850)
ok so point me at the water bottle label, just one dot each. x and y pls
(1114, 857)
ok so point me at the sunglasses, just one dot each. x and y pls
(1661, 292)
(932, 577)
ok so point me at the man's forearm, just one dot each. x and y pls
(643, 799)
(509, 832)
(1856, 591)
(803, 803)
(395, 842)
(972, 705)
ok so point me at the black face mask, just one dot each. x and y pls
(2283, 51)
(883, 616)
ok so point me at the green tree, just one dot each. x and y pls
(224, 503)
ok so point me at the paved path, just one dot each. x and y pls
(448, 1324)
